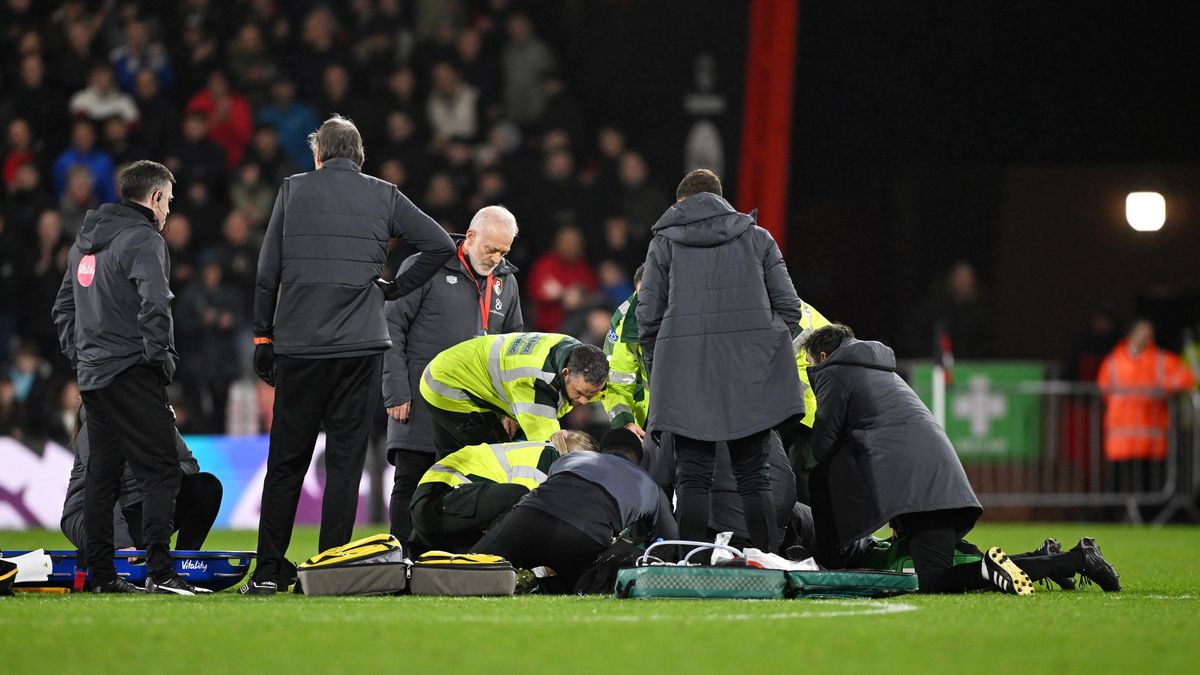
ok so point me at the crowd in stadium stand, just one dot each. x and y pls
(461, 104)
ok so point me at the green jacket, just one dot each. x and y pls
(626, 399)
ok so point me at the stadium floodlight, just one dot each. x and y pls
(1146, 211)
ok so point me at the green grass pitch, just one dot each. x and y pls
(1150, 627)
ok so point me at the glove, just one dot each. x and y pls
(390, 292)
(264, 362)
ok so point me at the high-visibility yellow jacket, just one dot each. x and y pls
(518, 375)
(810, 320)
(626, 399)
(525, 463)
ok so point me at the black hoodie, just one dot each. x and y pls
(114, 306)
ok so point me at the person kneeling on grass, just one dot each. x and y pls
(880, 458)
(461, 495)
(196, 504)
(573, 517)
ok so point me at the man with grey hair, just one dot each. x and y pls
(475, 294)
(319, 305)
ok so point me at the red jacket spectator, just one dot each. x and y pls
(230, 120)
(561, 280)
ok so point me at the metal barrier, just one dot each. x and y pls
(1061, 459)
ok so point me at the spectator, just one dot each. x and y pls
(557, 194)
(78, 199)
(453, 108)
(317, 49)
(616, 285)
(102, 99)
(393, 171)
(1092, 344)
(527, 61)
(20, 149)
(196, 158)
(198, 54)
(119, 144)
(12, 423)
(1138, 378)
(481, 71)
(251, 196)
(267, 153)
(442, 203)
(83, 152)
(961, 309)
(293, 120)
(38, 101)
(76, 57)
(230, 122)
(239, 255)
(210, 313)
(605, 175)
(158, 129)
(638, 199)
(47, 262)
(205, 211)
(614, 241)
(178, 234)
(561, 111)
(64, 413)
(30, 376)
(138, 54)
(561, 280)
(400, 142)
(401, 91)
(10, 289)
(26, 199)
(250, 64)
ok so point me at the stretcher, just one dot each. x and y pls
(214, 570)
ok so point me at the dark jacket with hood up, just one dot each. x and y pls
(716, 313)
(884, 453)
(440, 314)
(326, 242)
(113, 309)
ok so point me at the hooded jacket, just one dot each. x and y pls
(130, 492)
(113, 309)
(716, 313)
(440, 314)
(885, 454)
(326, 242)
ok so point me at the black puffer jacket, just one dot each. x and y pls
(440, 314)
(113, 309)
(326, 242)
(884, 453)
(716, 312)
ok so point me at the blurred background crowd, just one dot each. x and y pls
(461, 104)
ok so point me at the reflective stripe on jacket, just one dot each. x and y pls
(526, 463)
(518, 375)
(1136, 386)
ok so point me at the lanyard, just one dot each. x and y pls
(485, 296)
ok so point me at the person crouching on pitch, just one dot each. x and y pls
(465, 492)
(882, 458)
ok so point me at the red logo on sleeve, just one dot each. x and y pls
(87, 270)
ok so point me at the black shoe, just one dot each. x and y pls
(1004, 574)
(173, 585)
(254, 587)
(117, 585)
(1052, 547)
(1095, 568)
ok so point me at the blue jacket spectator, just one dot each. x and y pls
(83, 152)
(293, 120)
(138, 54)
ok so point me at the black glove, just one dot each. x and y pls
(390, 292)
(264, 362)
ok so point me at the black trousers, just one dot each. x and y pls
(694, 460)
(410, 466)
(454, 519)
(797, 441)
(530, 538)
(453, 431)
(340, 394)
(196, 508)
(129, 422)
(932, 539)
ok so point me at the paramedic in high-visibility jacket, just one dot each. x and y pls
(797, 435)
(462, 495)
(532, 378)
(626, 399)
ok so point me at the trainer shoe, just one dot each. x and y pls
(173, 585)
(1004, 574)
(117, 585)
(254, 587)
(1095, 568)
(1052, 547)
